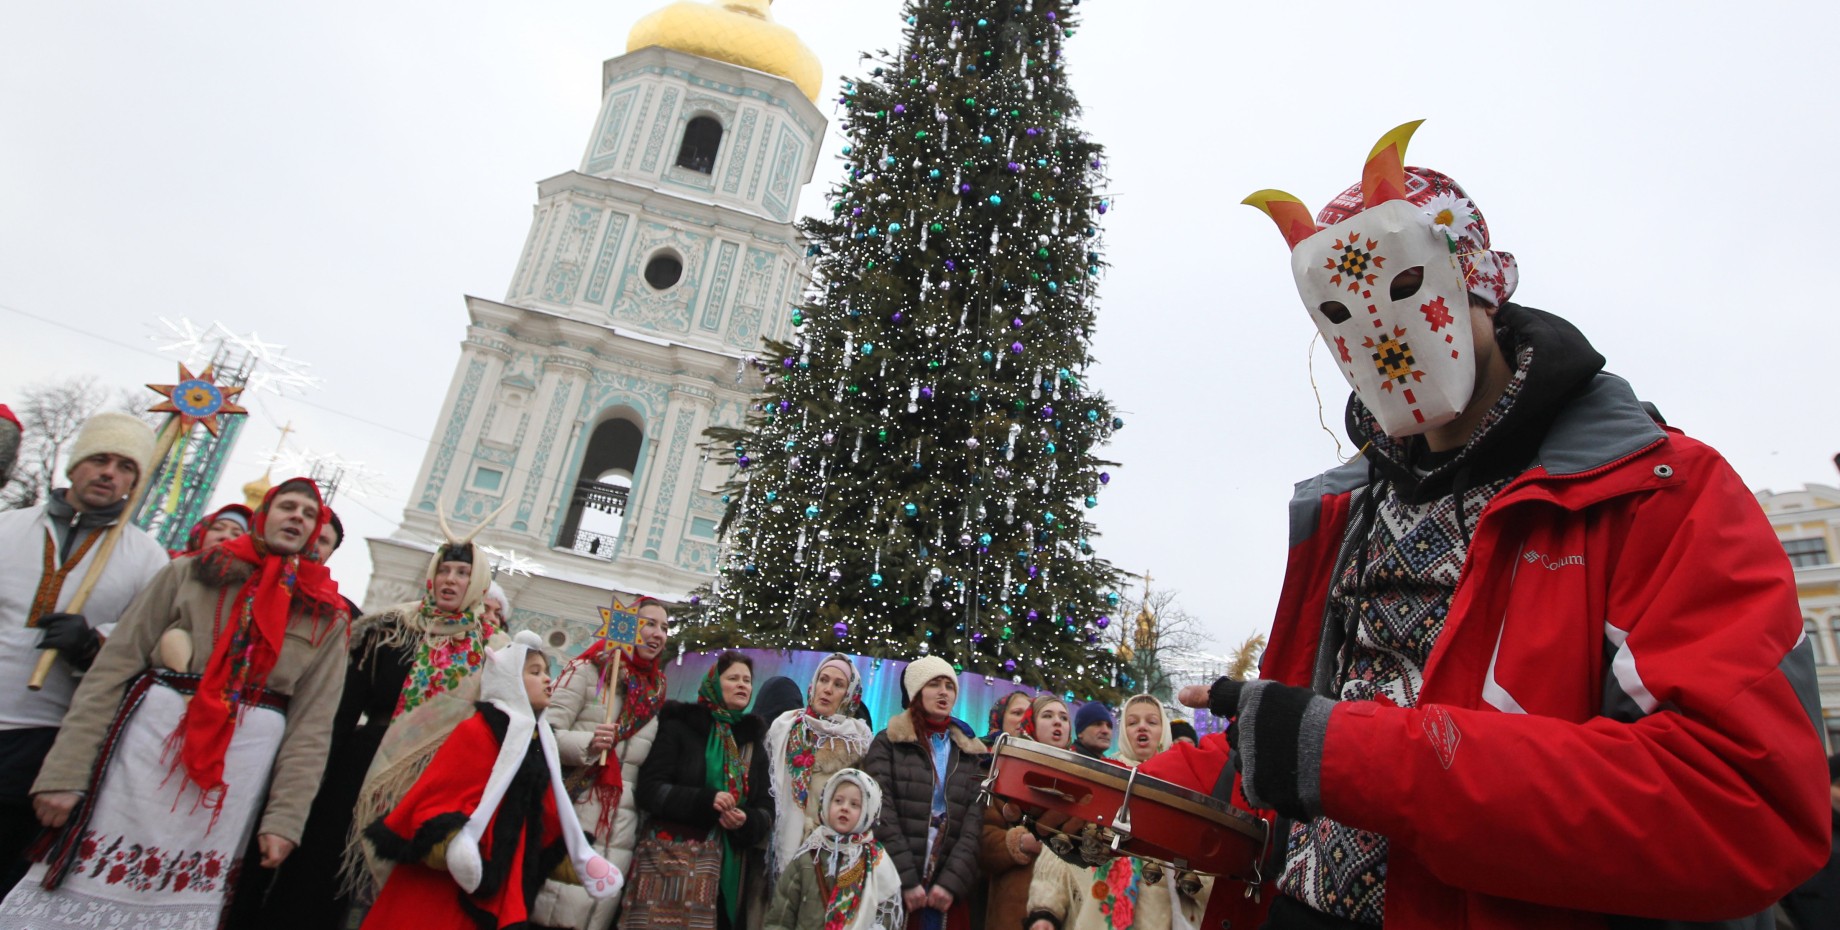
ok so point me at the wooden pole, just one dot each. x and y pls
(169, 434)
(613, 681)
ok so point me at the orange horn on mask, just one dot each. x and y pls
(1293, 218)
(1383, 178)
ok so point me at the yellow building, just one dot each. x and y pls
(1808, 523)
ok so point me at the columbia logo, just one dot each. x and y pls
(1551, 565)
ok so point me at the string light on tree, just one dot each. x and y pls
(918, 475)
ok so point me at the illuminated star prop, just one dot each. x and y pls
(197, 399)
(619, 626)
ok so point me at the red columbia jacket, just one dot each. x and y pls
(1620, 717)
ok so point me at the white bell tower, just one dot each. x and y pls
(648, 276)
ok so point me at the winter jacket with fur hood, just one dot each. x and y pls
(901, 762)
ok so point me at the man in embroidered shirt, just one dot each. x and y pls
(47, 554)
(1533, 646)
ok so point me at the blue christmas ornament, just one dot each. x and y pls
(1091, 502)
(868, 348)
(910, 509)
(811, 512)
(983, 539)
(875, 580)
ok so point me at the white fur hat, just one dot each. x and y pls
(120, 433)
(925, 669)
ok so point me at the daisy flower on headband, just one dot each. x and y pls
(1452, 216)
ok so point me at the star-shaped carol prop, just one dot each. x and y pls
(196, 399)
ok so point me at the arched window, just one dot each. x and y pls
(701, 140)
(597, 505)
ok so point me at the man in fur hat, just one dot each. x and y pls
(77, 543)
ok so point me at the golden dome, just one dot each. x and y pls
(254, 491)
(740, 32)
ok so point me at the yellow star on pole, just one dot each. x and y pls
(197, 399)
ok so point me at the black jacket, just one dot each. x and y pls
(902, 764)
(671, 781)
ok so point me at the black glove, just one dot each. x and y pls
(1279, 743)
(72, 636)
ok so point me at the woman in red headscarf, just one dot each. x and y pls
(203, 721)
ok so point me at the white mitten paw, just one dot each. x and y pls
(601, 878)
(463, 861)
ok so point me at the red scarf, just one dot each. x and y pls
(247, 648)
(926, 725)
(642, 683)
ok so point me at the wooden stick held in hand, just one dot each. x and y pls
(613, 681)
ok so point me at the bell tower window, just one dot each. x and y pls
(702, 137)
(597, 506)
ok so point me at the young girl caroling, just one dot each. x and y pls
(841, 878)
(489, 820)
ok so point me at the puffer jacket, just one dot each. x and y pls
(574, 711)
(1616, 719)
(671, 786)
(902, 763)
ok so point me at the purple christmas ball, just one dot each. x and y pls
(897, 317)
(1015, 323)
(841, 628)
(1015, 348)
(743, 461)
(927, 393)
(951, 265)
(900, 108)
(1050, 16)
(1047, 413)
(1009, 665)
(1033, 616)
(788, 361)
(964, 188)
(785, 405)
(695, 599)
(1102, 622)
(1105, 477)
(977, 637)
(1103, 207)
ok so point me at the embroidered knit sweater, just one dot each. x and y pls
(1408, 543)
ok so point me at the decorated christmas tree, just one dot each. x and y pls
(919, 473)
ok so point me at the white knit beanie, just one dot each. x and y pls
(925, 669)
(120, 433)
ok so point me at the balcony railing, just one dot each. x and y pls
(594, 545)
(607, 498)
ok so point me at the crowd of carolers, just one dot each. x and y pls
(1537, 661)
(225, 739)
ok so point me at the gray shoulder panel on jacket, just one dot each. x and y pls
(1306, 502)
(1605, 422)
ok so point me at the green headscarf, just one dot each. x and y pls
(724, 771)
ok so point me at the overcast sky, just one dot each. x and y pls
(336, 176)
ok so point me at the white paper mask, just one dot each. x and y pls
(1408, 359)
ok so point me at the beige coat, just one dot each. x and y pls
(574, 711)
(185, 596)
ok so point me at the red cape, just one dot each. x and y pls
(424, 898)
